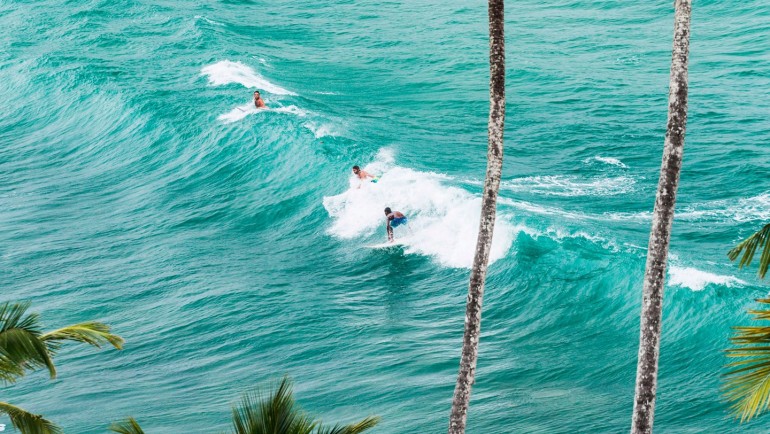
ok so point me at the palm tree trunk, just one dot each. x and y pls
(467, 374)
(660, 234)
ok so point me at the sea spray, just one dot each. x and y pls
(226, 72)
(559, 185)
(696, 280)
(443, 220)
(244, 110)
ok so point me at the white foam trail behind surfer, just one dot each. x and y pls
(239, 113)
(227, 72)
(249, 108)
(444, 220)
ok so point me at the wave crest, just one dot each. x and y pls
(443, 220)
(226, 72)
(697, 280)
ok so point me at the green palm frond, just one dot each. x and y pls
(127, 426)
(747, 383)
(92, 333)
(355, 428)
(20, 344)
(12, 316)
(9, 371)
(277, 413)
(749, 247)
(28, 423)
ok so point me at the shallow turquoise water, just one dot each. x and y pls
(139, 189)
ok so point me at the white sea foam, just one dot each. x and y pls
(749, 209)
(558, 185)
(606, 160)
(443, 220)
(629, 60)
(697, 280)
(292, 109)
(740, 210)
(239, 113)
(226, 72)
(247, 109)
(544, 210)
(212, 22)
(561, 234)
(321, 129)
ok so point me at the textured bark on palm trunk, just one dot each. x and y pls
(467, 374)
(660, 234)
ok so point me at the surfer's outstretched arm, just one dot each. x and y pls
(390, 232)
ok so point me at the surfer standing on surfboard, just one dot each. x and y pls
(394, 219)
(363, 175)
(258, 101)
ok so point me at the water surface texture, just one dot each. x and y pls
(138, 187)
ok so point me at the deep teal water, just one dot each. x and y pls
(225, 246)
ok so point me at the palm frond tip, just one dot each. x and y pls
(20, 344)
(92, 333)
(354, 428)
(260, 412)
(747, 382)
(749, 247)
(28, 423)
(277, 412)
(126, 426)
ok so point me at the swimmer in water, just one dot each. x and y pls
(393, 219)
(258, 101)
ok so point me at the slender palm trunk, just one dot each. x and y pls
(660, 234)
(467, 374)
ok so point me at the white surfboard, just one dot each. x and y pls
(386, 245)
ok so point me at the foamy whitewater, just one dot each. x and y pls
(226, 72)
(606, 160)
(443, 220)
(697, 280)
(571, 186)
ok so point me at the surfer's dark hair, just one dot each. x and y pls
(387, 211)
(356, 168)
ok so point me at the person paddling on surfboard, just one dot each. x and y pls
(363, 175)
(258, 101)
(394, 219)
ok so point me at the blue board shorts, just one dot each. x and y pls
(396, 222)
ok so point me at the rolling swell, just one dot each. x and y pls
(138, 187)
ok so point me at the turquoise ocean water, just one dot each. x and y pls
(138, 188)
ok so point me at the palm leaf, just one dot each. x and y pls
(92, 333)
(747, 383)
(355, 428)
(276, 413)
(749, 247)
(20, 344)
(127, 426)
(27, 422)
(10, 371)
